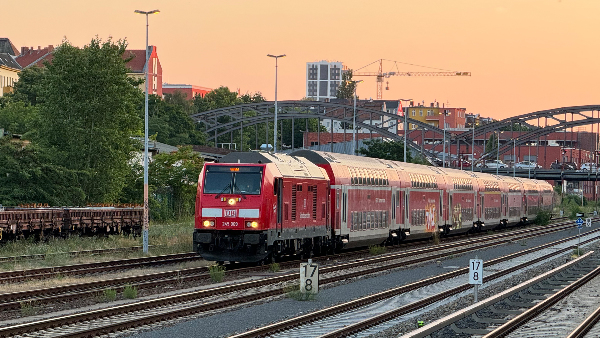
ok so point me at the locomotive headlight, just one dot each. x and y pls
(251, 224)
(208, 223)
(231, 201)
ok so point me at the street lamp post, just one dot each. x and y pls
(473, 148)
(275, 125)
(498, 154)
(146, 208)
(354, 118)
(444, 146)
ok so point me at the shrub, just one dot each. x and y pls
(130, 292)
(542, 218)
(109, 295)
(293, 291)
(377, 249)
(217, 273)
(274, 267)
(29, 308)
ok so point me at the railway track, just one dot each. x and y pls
(523, 304)
(13, 301)
(71, 254)
(145, 312)
(97, 267)
(360, 326)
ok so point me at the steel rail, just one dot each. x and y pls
(586, 325)
(71, 253)
(192, 296)
(535, 311)
(11, 301)
(375, 320)
(85, 268)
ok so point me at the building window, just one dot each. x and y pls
(413, 113)
(420, 112)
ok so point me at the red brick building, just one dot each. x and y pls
(138, 64)
(188, 90)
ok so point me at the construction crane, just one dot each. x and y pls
(381, 75)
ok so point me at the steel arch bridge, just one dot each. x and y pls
(252, 114)
(559, 121)
(245, 115)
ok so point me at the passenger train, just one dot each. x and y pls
(257, 206)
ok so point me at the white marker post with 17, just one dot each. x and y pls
(476, 274)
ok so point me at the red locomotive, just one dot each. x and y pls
(257, 206)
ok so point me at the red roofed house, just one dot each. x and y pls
(189, 91)
(34, 57)
(137, 65)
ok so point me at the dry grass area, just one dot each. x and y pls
(164, 238)
(66, 280)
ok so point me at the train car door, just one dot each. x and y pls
(344, 230)
(393, 211)
(279, 205)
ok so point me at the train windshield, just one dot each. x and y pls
(232, 180)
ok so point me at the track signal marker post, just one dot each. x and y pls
(309, 277)
(579, 223)
(476, 274)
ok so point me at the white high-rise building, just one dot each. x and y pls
(323, 79)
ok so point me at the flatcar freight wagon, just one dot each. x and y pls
(18, 223)
(257, 206)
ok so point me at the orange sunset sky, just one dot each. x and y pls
(524, 55)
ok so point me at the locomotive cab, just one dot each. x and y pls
(229, 208)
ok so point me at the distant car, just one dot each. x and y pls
(495, 164)
(461, 164)
(564, 166)
(527, 165)
(589, 167)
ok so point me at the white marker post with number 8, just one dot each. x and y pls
(309, 277)
(476, 274)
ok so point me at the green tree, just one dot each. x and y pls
(346, 88)
(28, 88)
(176, 175)
(28, 175)
(217, 98)
(170, 121)
(387, 150)
(492, 143)
(18, 117)
(88, 110)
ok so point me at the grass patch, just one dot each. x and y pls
(29, 308)
(217, 273)
(109, 295)
(293, 291)
(577, 252)
(377, 250)
(130, 292)
(274, 267)
(164, 238)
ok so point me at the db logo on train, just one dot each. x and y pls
(230, 213)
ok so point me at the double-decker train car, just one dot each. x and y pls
(311, 201)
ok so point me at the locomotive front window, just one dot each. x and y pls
(233, 180)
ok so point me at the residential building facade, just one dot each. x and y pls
(138, 65)
(9, 73)
(323, 79)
